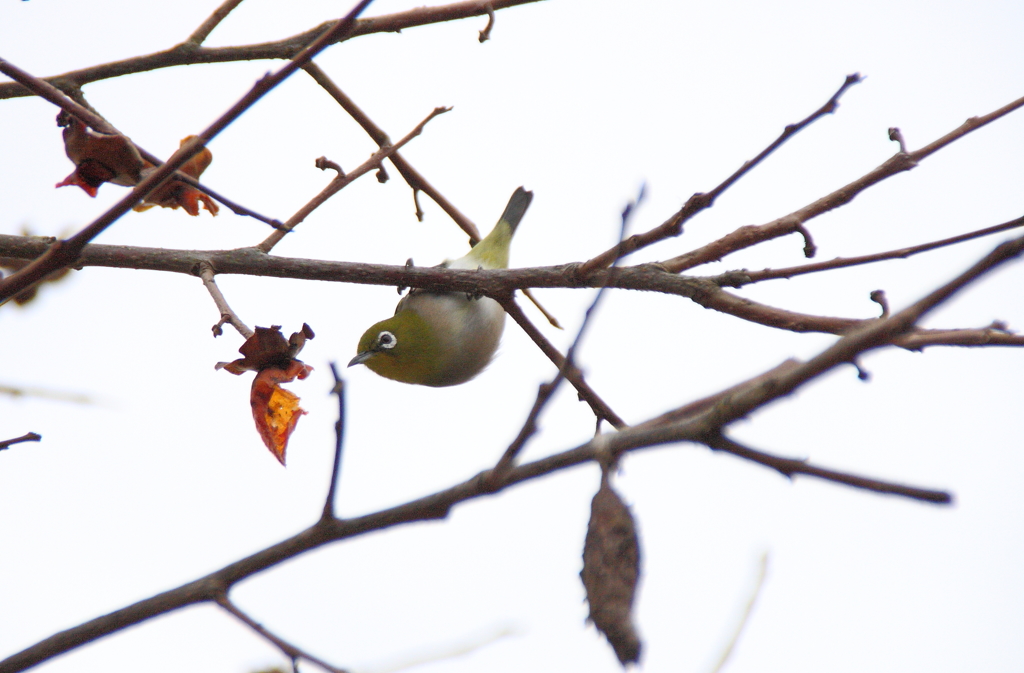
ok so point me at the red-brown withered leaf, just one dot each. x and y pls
(275, 410)
(175, 193)
(98, 157)
(611, 568)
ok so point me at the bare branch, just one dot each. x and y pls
(700, 201)
(790, 467)
(572, 374)
(227, 316)
(339, 442)
(342, 180)
(485, 34)
(495, 283)
(219, 14)
(291, 651)
(27, 437)
(188, 54)
(744, 237)
(744, 277)
(762, 572)
(412, 177)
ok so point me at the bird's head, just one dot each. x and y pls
(403, 348)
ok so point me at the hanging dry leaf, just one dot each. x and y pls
(611, 567)
(175, 193)
(275, 410)
(98, 157)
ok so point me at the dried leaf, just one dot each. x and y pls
(98, 157)
(611, 568)
(275, 410)
(175, 193)
(268, 348)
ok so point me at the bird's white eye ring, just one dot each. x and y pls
(386, 340)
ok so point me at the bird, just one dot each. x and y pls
(445, 338)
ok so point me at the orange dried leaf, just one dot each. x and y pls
(276, 410)
(98, 157)
(175, 193)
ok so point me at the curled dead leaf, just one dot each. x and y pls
(98, 157)
(611, 568)
(175, 193)
(275, 410)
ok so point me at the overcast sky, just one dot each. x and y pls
(162, 478)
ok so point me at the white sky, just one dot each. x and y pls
(164, 479)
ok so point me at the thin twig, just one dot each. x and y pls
(219, 14)
(45, 393)
(573, 375)
(293, 652)
(50, 93)
(750, 235)
(339, 442)
(790, 467)
(745, 277)
(700, 201)
(64, 253)
(342, 180)
(755, 593)
(227, 315)
(27, 437)
(411, 176)
(485, 34)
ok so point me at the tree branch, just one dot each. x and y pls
(187, 53)
(498, 284)
(700, 201)
(342, 180)
(227, 316)
(27, 437)
(745, 237)
(291, 651)
(203, 31)
(790, 467)
(744, 277)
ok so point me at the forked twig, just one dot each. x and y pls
(701, 201)
(227, 315)
(342, 180)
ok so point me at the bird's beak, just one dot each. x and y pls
(361, 358)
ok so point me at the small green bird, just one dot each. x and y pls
(445, 338)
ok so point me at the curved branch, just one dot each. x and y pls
(745, 237)
(700, 201)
